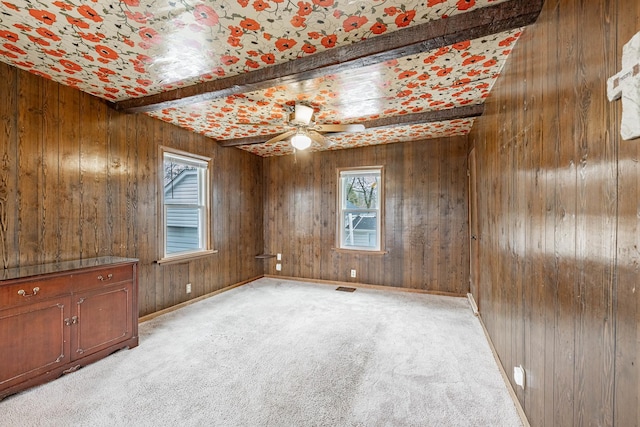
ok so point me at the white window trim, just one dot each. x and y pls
(341, 210)
(204, 204)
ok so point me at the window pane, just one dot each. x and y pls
(361, 192)
(183, 229)
(181, 184)
(360, 229)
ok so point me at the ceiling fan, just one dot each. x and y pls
(307, 131)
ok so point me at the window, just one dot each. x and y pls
(360, 201)
(185, 205)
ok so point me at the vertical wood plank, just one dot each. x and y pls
(49, 185)
(431, 213)
(9, 167)
(93, 178)
(116, 176)
(565, 236)
(69, 225)
(30, 118)
(627, 308)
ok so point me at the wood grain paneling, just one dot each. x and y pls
(425, 219)
(78, 180)
(627, 296)
(558, 218)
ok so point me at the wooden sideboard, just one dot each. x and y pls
(56, 318)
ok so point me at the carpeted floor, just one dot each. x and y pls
(285, 353)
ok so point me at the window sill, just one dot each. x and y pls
(185, 258)
(359, 251)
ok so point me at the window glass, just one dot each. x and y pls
(360, 201)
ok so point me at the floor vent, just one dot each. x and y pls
(345, 289)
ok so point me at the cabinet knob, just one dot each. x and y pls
(102, 278)
(71, 321)
(25, 294)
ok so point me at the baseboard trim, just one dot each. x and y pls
(505, 377)
(194, 300)
(473, 304)
(366, 286)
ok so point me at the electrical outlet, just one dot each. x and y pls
(519, 376)
(353, 272)
(279, 257)
(188, 290)
(278, 267)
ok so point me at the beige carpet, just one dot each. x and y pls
(286, 353)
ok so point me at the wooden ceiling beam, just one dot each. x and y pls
(465, 112)
(412, 40)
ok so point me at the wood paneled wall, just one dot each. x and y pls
(425, 216)
(558, 218)
(79, 180)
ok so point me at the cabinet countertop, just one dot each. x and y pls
(60, 267)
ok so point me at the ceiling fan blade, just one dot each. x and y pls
(280, 137)
(316, 137)
(339, 128)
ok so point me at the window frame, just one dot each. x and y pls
(341, 210)
(204, 205)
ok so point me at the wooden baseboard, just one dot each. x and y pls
(365, 285)
(194, 300)
(472, 303)
(505, 377)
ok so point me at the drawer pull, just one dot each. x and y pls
(25, 294)
(102, 278)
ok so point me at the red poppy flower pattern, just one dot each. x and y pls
(125, 49)
(188, 39)
(453, 76)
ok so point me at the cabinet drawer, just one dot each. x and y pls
(34, 291)
(102, 277)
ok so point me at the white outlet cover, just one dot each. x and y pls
(353, 273)
(519, 376)
(278, 267)
(279, 257)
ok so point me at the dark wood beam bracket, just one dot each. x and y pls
(416, 39)
(465, 112)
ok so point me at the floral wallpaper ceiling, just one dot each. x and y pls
(125, 49)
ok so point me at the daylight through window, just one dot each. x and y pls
(359, 223)
(185, 204)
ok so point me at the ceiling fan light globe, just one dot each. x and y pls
(300, 141)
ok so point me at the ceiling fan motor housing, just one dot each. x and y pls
(302, 114)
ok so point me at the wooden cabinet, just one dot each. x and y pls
(57, 318)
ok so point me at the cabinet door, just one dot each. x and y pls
(35, 339)
(104, 318)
